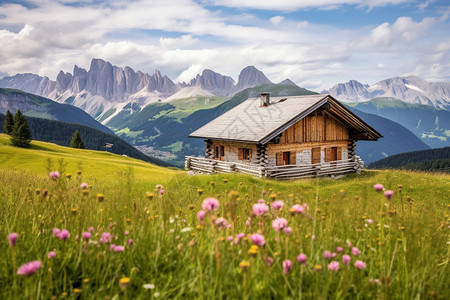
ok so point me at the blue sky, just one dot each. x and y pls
(314, 43)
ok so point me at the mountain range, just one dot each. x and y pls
(410, 89)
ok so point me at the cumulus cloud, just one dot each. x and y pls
(276, 20)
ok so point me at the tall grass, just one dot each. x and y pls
(404, 241)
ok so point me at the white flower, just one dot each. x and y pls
(186, 229)
(149, 286)
(156, 295)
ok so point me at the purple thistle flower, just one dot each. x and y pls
(287, 230)
(388, 194)
(339, 249)
(201, 215)
(29, 268)
(86, 235)
(260, 209)
(12, 237)
(111, 247)
(360, 264)
(346, 259)
(327, 254)
(333, 266)
(64, 235)
(56, 232)
(84, 185)
(130, 242)
(302, 259)
(277, 204)
(355, 251)
(119, 248)
(298, 208)
(258, 239)
(287, 266)
(378, 187)
(279, 223)
(51, 254)
(91, 229)
(54, 175)
(210, 204)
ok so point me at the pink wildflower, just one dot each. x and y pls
(84, 185)
(298, 208)
(333, 266)
(388, 194)
(327, 254)
(12, 237)
(378, 187)
(130, 242)
(346, 259)
(119, 248)
(277, 204)
(91, 229)
(349, 244)
(261, 201)
(258, 239)
(355, 251)
(221, 223)
(230, 238)
(161, 192)
(210, 204)
(260, 209)
(111, 247)
(279, 223)
(339, 249)
(86, 235)
(29, 268)
(287, 266)
(263, 192)
(64, 235)
(51, 254)
(287, 230)
(201, 215)
(56, 232)
(302, 259)
(238, 238)
(370, 221)
(268, 261)
(54, 175)
(105, 238)
(360, 264)
(247, 223)
(126, 233)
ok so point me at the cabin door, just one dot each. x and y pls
(315, 155)
(222, 153)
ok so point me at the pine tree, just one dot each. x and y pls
(9, 123)
(21, 134)
(77, 141)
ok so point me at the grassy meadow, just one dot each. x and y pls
(134, 231)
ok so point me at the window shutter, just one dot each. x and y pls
(293, 158)
(279, 158)
(240, 154)
(339, 153)
(328, 154)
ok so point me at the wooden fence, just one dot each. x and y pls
(210, 166)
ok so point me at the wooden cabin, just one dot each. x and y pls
(283, 137)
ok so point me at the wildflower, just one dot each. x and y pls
(84, 185)
(130, 242)
(111, 247)
(317, 268)
(199, 191)
(339, 249)
(124, 282)
(225, 180)
(346, 259)
(100, 197)
(287, 266)
(105, 238)
(258, 239)
(86, 235)
(244, 265)
(269, 261)
(333, 266)
(12, 237)
(201, 215)
(302, 259)
(370, 221)
(355, 251)
(127, 233)
(287, 230)
(149, 286)
(247, 223)
(388, 194)
(161, 191)
(51, 254)
(56, 232)
(277, 204)
(327, 254)
(64, 235)
(253, 250)
(91, 229)
(77, 291)
(273, 196)
(119, 248)
(159, 187)
(279, 223)
(210, 204)
(230, 238)
(238, 238)
(54, 175)
(297, 208)
(260, 209)
(221, 223)
(29, 268)
(37, 191)
(263, 192)
(149, 196)
(360, 264)
(378, 187)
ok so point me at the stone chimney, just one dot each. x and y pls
(265, 99)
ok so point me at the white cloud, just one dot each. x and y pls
(183, 41)
(190, 73)
(276, 20)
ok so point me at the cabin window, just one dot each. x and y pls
(219, 152)
(216, 152)
(244, 153)
(315, 155)
(286, 158)
(333, 154)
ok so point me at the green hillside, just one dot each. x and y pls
(101, 165)
(430, 124)
(427, 160)
(40, 107)
(60, 133)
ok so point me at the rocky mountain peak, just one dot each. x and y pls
(251, 76)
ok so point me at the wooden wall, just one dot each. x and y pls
(232, 151)
(319, 128)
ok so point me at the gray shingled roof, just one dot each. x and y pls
(249, 122)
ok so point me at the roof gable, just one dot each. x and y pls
(250, 122)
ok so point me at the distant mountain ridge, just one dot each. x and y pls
(106, 88)
(410, 89)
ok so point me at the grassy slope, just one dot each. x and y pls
(98, 164)
(408, 257)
